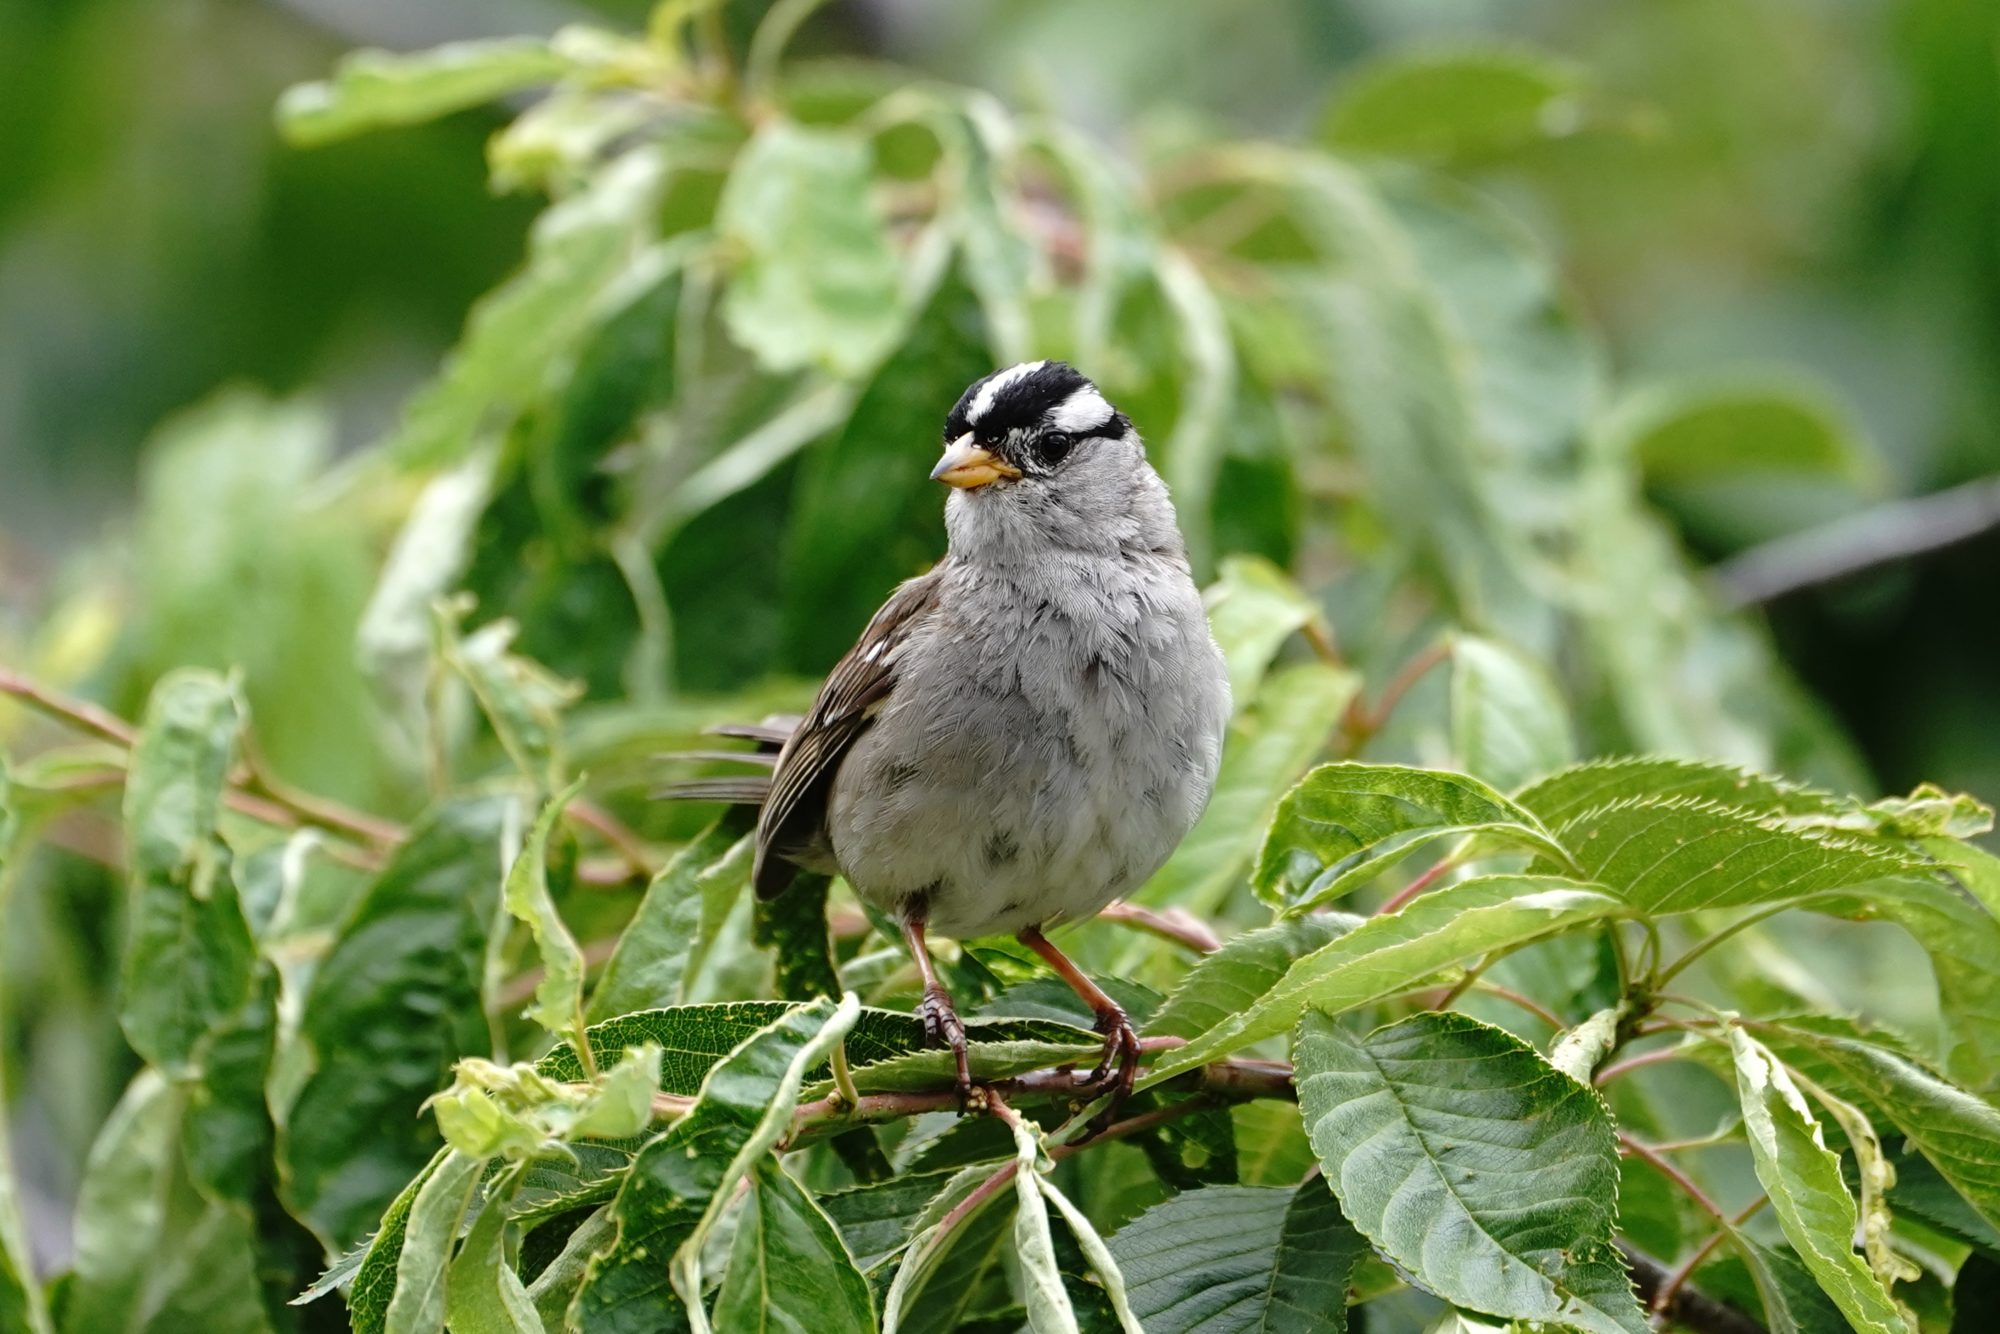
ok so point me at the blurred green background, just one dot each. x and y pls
(1771, 184)
(201, 327)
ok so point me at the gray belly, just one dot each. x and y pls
(999, 800)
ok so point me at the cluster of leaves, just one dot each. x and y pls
(679, 450)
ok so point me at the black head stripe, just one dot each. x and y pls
(1015, 399)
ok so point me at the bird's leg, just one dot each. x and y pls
(1120, 1042)
(942, 1026)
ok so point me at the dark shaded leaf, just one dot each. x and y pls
(393, 1005)
(1241, 1258)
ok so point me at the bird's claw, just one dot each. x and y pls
(943, 1028)
(1121, 1048)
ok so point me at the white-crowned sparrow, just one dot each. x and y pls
(1026, 732)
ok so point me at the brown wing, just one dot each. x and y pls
(795, 813)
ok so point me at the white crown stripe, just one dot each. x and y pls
(1084, 410)
(982, 403)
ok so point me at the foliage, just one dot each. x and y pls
(1529, 1009)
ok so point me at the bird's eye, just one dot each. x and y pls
(1054, 447)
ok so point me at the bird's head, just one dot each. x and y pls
(1035, 451)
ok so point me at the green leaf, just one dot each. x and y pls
(876, 1220)
(188, 953)
(680, 1182)
(1103, 1265)
(816, 283)
(1963, 940)
(22, 1305)
(1957, 1132)
(374, 1261)
(1253, 608)
(395, 639)
(1347, 823)
(1696, 431)
(522, 700)
(1043, 1293)
(788, 1267)
(374, 89)
(1230, 1259)
(1191, 456)
(1931, 812)
(483, 1293)
(418, 1304)
(393, 1005)
(888, 1043)
(1231, 980)
(1472, 1163)
(558, 1003)
(1683, 854)
(947, 1279)
(1578, 1051)
(517, 1113)
(1265, 750)
(1563, 796)
(527, 330)
(684, 907)
(1804, 1182)
(1395, 951)
(152, 1252)
(1793, 1301)
(1508, 720)
(1457, 105)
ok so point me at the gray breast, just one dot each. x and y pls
(1053, 734)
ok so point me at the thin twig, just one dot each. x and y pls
(1857, 542)
(1663, 1300)
(1415, 887)
(78, 712)
(1660, 1163)
(615, 832)
(1175, 924)
(1362, 723)
(1618, 1069)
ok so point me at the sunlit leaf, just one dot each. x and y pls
(1695, 431)
(483, 1293)
(1457, 104)
(1804, 1182)
(1561, 797)
(558, 1003)
(1232, 979)
(1346, 823)
(1395, 951)
(1472, 1163)
(1680, 854)
(417, 1306)
(815, 281)
(374, 89)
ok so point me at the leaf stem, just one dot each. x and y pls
(1417, 886)
(1361, 723)
(1708, 943)
(1663, 1300)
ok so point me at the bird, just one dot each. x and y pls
(1025, 732)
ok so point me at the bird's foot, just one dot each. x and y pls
(943, 1028)
(1121, 1050)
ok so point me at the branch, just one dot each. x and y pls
(1857, 542)
(1687, 1307)
(1175, 924)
